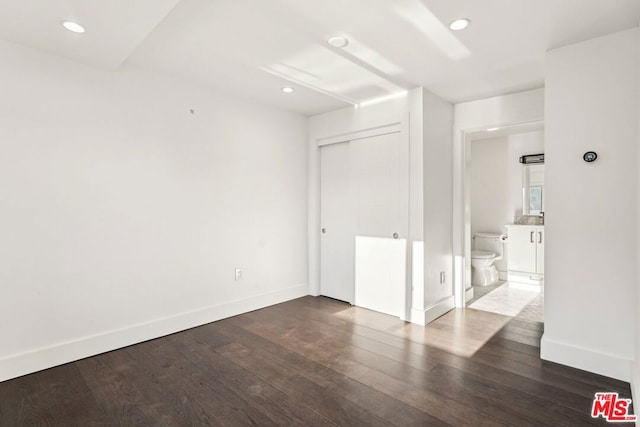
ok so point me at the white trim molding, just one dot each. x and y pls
(605, 364)
(25, 363)
(499, 111)
(426, 316)
(468, 295)
(419, 316)
(438, 309)
(361, 134)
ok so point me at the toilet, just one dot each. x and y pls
(487, 249)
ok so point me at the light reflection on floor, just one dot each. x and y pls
(508, 299)
(460, 331)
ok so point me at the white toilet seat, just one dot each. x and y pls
(478, 254)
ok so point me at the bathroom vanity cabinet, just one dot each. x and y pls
(525, 256)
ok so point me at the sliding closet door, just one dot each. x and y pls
(363, 246)
(380, 252)
(337, 243)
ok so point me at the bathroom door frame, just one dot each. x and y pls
(463, 291)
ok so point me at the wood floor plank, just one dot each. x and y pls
(526, 324)
(560, 376)
(280, 407)
(28, 400)
(377, 403)
(533, 341)
(523, 408)
(536, 387)
(446, 409)
(121, 401)
(458, 388)
(174, 404)
(367, 352)
(318, 362)
(308, 392)
(594, 380)
(540, 374)
(382, 343)
(205, 386)
(536, 374)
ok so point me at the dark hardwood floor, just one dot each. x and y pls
(316, 361)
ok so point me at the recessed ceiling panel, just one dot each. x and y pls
(114, 28)
(269, 36)
(255, 47)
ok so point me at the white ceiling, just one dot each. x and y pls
(254, 47)
(115, 28)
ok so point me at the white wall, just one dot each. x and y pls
(635, 371)
(591, 220)
(407, 110)
(438, 205)
(124, 216)
(496, 182)
(522, 107)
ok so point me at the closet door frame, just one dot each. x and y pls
(401, 126)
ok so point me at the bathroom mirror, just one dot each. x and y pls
(532, 189)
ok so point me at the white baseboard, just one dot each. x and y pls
(423, 317)
(418, 316)
(588, 360)
(25, 363)
(438, 309)
(528, 278)
(525, 286)
(468, 294)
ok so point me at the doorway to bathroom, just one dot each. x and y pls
(506, 198)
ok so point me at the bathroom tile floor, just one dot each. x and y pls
(480, 291)
(534, 312)
(520, 301)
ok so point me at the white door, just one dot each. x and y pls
(522, 249)
(380, 258)
(364, 226)
(337, 243)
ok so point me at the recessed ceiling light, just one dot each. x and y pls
(73, 26)
(287, 89)
(459, 24)
(492, 129)
(338, 41)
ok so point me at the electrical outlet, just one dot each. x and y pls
(442, 277)
(238, 274)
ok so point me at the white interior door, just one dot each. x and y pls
(364, 225)
(380, 250)
(337, 244)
